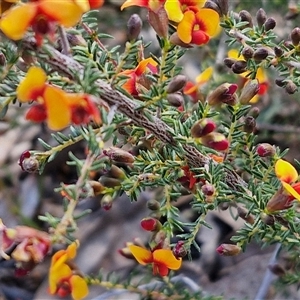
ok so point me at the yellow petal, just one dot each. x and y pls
(209, 19)
(261, 75)
(204, 76)
(15, 21)
(127, 3)
(167, 258)
(83, 4)
(58, 110)
(79, 287)
(174, 11)
(186, 26)
(142, 255)
(56, 275)
(233, 53)
(285, 171)
(66, 13)
(33, 85)
(291, 190)
(72, 249)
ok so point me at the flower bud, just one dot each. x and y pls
(279, 201)
(2, 59)
(116, 172)
(225, 93)
(265, 150)
(270, 24)
(175, 99)
(179, 250)
(28, 163)
(261, 17)
(134, 26)
(223, 4)
(280, 82)
(214, 6)
(109, 182)
(118, 155)
(249, 124)
(295, 36)
(239, 67)
(229, 61)
(278, 51)
(291, 87)
(267, 219)
(245, 16)
(153, 205)
(208, 189)
(159, 22)
(277, 269)
(106, 202)
(247, 52)
(244, 214)
(97, 187)
(176, 84)
(260, 54)
(216, 141)
(228, 249)
(151, 224)
(203, 127)
(250, 89)
(254, 112)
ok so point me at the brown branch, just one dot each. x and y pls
(128, 107)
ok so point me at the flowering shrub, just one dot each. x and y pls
(148, 125)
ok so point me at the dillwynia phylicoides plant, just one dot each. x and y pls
(165, 131)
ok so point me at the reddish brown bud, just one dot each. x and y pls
(225, 93)
(250, 89)
(245, 16)
(97, 187)
(208, 189)
(2, 59)
(118, 155)
(229, 61)
(153, 205)
(179, 250)
(295, 36)
(159, 21)
(116, 172)
(216, 141)
(214, 6)
(279, 201)
(28, 162)
(247, 52)
(291, 87)
(175, 99)
(134, 26)
(261, 17)
(267, 219)
(109, 182)
(239, 67)
(270, 24)
(151, 224)
(203, 127)
(228, 249)
(176, 84)
(265, 150)
(280, 82)
(278, 51)
(244, 214)
(260, 54)
(249, 124)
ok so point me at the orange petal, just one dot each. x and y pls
(83, 4)
(142, 255)
(66, 13)
(33, 85)
(16, 21)
(56, 275)
(174, 11)
(208, 19)
(186, 26)
(144, 64)
(291, 190)
(72, 249)
(58, 110)
(141, 3)
(167, 258)
(79, 287)
(285, 171)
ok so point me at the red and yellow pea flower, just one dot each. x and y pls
(198, 27)
(176, 8)
(192, 89)
(42, 16)
(162, 260)
(290, 189)
(64, 279)
(53, 104)
(136, 76)
(153, 5)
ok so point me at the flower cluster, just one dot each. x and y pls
(42, 16)
(195, 24)
(64, 278)
(56, 106)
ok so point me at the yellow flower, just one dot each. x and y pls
(63, 279)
